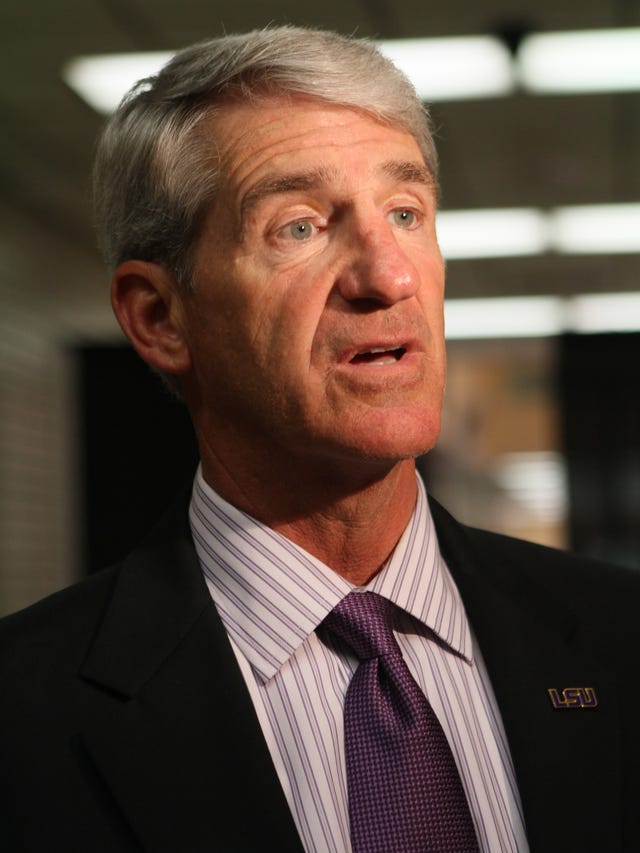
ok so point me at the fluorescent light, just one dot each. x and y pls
(102, 81)
(541, 316)
(492, 232)
(444, 69)
(440, 69)
(604, 312)
(596, 229)
(503, 317)
(580, 61)
(536, 479)
(520, 231)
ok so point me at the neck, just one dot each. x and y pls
(349, 516)
(356, 532)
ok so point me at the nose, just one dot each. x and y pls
(378, 268)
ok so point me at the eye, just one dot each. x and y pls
(403, 217)
(301, 230)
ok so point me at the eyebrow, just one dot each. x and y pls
(281, 184)
(403, 171)
(408, 172)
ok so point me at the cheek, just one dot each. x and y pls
(287, 315)
(431, 266)
(290, 333)
(432, 296)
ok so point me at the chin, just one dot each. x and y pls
(392, 438)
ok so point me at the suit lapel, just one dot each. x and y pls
(567, 760)
(175, 737)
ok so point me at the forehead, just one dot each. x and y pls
(280, 134)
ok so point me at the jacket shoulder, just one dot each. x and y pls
(552, 583)
(562, 569)
(506, 556)
(56, 628)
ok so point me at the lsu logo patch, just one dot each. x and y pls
(573, 697)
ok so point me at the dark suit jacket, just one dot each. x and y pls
(125, 724)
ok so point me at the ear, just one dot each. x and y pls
(147, 303)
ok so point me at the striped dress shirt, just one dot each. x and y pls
(272, 595)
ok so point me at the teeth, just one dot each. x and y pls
(380, 355)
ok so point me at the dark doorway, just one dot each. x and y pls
(600, 390)
(138, 449)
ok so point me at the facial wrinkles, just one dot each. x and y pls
(339, 333)
(251, 160)
(399, 171)
(247, 153)
(367, 322)
(343, 330)
(281, 184)
(349, 202)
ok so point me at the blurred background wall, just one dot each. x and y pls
(541, 435)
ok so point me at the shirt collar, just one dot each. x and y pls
(271, 594)
(417, 579)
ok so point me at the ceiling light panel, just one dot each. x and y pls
(445, 69)
(503, 317)
(102, 81)
(604, 312)
(596, 229)
(580, 61)
(541, 316)
(492, 233)
(521, 231)
(441, 69)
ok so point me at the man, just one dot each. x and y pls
(268, 205)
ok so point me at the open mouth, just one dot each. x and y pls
(379, 356)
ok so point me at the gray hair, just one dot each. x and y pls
(156, 173)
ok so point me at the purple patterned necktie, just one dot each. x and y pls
(405, 793)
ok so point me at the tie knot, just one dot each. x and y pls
(363, 621)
